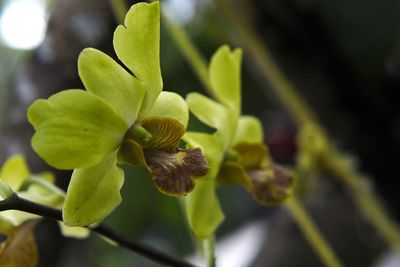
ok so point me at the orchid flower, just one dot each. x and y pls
(235, 151)
(122, 117)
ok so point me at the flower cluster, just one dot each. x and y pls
(236, 151)
(119, 118)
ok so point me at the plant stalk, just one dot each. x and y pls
(311, 233)
(209, 251)
(302, 115)
(15, 202)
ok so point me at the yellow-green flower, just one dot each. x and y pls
(236, 151)
(120, 118)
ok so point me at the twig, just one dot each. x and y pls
(311, 232)
(15, 202)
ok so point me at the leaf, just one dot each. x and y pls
(75, 129)
(224, 73)
(171, 105)
(93, 192)
(20, 249)
(137, 45)
(212, 147)
(166, 132)
(249, 130)
(174, 173)
(203, 210)
(14, 172)
(104, 77)
(74, 232)
(214, 115)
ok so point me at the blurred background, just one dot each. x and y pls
(342, 56)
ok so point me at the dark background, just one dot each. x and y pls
(342, 56)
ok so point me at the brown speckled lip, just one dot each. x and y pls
(174, 173)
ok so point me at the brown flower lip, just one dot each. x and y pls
(174, 172)
(271, 185)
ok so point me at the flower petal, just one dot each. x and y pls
(252, 155)
(75, 232)
(104, 77)
(75, 129)
(233, 173)
(249, 130)
(174, 173)
(131, 152)
(212, 147)
(271, 185)
(138, 46)
(93, 192)
(14, 172)
(171, 105)
(215, 115)
(224, 72)
(20, 248)
(166, 133)
(203, 209)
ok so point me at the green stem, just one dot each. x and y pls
(303, 115)
(138, 134)
(307, 225)
(286, 92)
(369, 204)
(209, 251)
(312, 234)
(189, 51)
(14, 202)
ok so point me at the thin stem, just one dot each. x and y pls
(302, 114)
(209, 251)
(286, 92)
(369, 204)
(17, 203)
(312, 234)
(189, 51)
(302, 218)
